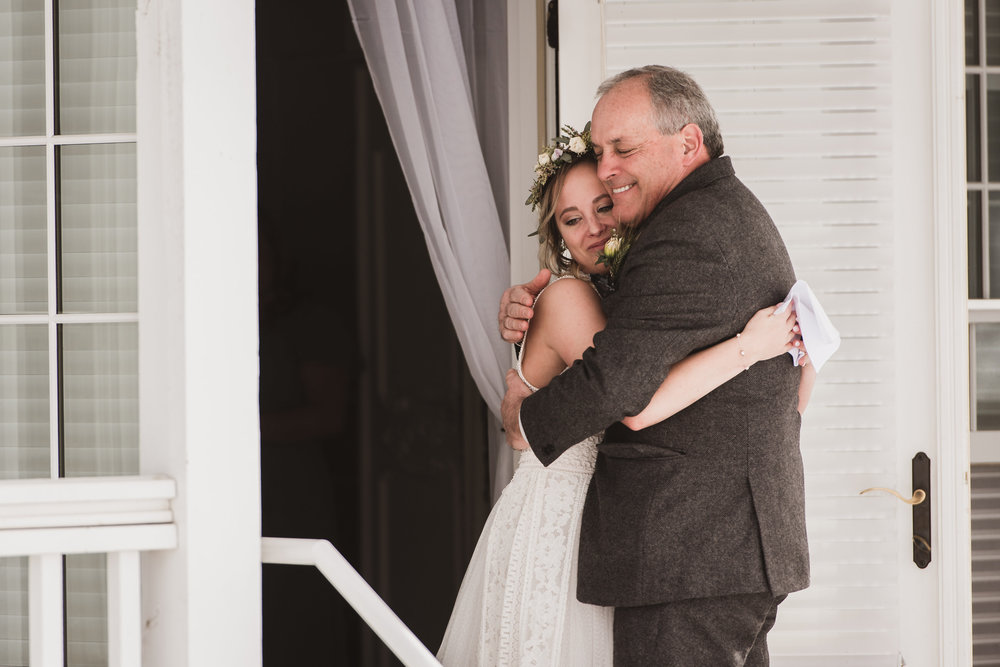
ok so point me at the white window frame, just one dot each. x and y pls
(51, 142)
(985, 444)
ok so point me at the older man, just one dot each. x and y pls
(693, 529)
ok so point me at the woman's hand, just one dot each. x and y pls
(769, 334)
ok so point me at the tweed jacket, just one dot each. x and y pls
(709, 502)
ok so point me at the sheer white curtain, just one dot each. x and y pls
(415, 53)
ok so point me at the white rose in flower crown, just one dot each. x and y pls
(578, 145)
(543, 159)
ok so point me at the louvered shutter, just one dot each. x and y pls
(803, 89)
(986, 563)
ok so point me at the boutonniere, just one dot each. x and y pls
(613, 255)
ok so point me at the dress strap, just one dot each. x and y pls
(520, 373)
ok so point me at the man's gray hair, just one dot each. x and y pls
(677, 100)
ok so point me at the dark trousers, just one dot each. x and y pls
(728, 631)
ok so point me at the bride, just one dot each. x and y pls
(517, 604)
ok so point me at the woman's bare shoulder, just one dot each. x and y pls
(568, 291)
(569, 302)
(567, 315)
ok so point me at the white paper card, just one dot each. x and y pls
(819, 336)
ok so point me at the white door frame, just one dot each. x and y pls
(952, 524)
(930, 148)
(526, 126)
(197, 211)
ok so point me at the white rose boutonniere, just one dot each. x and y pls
(612, 246)
(613, 255)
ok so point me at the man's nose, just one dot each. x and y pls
(606, 168)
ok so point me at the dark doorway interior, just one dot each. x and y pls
(373, 435)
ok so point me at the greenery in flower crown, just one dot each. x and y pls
(565, 149)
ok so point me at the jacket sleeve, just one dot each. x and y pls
(675, 297)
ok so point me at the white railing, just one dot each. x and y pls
(372, 609)
(45, 519)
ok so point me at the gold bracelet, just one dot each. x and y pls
(743, 353)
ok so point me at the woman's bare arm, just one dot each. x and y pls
(765, 336)
(806, 384)
(569, 314)
(566, 318)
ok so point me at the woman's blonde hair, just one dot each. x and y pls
(551, 249)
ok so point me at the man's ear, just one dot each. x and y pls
(693, 141)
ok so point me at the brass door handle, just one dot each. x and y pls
(920, 505)
(919, 495)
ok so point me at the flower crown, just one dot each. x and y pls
(563, 151)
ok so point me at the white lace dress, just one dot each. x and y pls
(517, 605)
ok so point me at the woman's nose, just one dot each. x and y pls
(594, 226)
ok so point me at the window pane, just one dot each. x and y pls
(22, 68)
(23, 276)
(992, 32)
(993, 126)
(14, 612)
(971, 32)
(100, 399)
(975, 245)
(986, 366)
(98, 229)
(973, 129)
(993, 287)
(96, 66)
(24, 401)
(24, 452)
(86, 611)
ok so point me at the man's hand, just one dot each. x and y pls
(515, 307)
(510, 410)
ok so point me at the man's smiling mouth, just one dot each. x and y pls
(618, 191)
